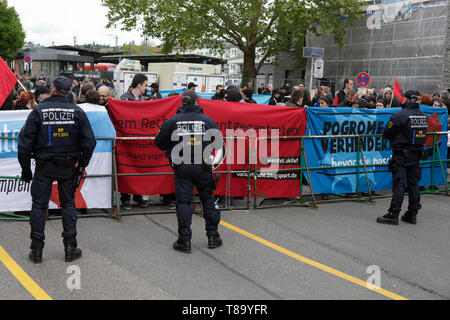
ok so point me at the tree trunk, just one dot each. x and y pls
(249, 72)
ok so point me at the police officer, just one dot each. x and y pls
(186, 138)
(58, 135)
(407, 134)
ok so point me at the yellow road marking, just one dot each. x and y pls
(22, 277)
(313, 263)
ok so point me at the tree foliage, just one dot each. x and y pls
(257, 27)
(12, 36)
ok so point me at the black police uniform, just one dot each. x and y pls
(407, 134)
(58, 135)
(190, 125)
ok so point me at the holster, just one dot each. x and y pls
(392, 164)
(214, 178)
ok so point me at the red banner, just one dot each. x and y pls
(137, 119)
(7, 81)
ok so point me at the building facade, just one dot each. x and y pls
(397, 38)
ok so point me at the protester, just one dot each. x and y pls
(425, 100)
(104, 93)
(325, 102)
(276, 98)
(349, 98)
(26, 101)
(247, 95)
(42, 93)
(395, 103)
(268, 91)
(296, 100)
(84, 89)
(341, 95)
(233, 94)
(261, 89)
(381, 103)
(9, 102)
(306, 98)
(192, 86)
(138, 88)
(156, 95)
(436, 103)
(220, 93)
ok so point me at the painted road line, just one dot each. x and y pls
(22, 277)
(313, 263)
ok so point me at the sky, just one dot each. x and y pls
(59, 21)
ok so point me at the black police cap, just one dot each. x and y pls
(62, 84)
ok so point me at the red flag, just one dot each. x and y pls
(7, 81)
(398, 91)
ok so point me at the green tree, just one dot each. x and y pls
(257, 27)
(12, 36)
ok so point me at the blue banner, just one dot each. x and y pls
(260, 99)
(343, 152)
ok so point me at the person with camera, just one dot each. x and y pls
(189, 139)
(59, 136)
(406, 132)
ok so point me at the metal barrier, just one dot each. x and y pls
(360, 156)
(116, 213)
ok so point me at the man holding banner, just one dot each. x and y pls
(187, 139)
(407, 134)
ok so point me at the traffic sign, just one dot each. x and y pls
(313, 52)
(363, 79)
(27, 59)
(318, 68)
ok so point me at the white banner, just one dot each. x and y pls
(93, 193)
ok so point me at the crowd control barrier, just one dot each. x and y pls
(254, 171)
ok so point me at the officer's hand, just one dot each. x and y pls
(27, 175)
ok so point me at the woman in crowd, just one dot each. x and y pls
(436, 103)
(296, 99)
(425, 100)
(325, 102)
(26, 101)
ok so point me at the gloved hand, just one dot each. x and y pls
(27, 175)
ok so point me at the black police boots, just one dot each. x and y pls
(409, 217)
(182, 246)
(214, 242)
(72, 252)
(390, 218)
(37, 248)
(36, 255)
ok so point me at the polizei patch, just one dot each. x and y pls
(57, 116)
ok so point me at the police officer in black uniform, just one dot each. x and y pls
(407, 134)
(59, 137)
(185, 137)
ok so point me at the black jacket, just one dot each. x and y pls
(407, 129)
(56, 128)
(191, 124)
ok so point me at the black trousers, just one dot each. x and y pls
(41, 189)
(407, 170)
(186, 177)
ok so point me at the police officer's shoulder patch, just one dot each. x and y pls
(390, 125)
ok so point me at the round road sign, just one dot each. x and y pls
(363, 79)
(27, 59)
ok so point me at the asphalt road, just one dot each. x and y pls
(133, 259)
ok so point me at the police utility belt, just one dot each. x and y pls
(59, 161)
